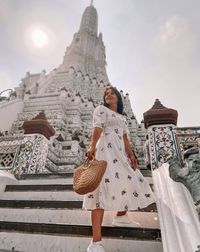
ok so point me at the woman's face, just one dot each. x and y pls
(110, 97)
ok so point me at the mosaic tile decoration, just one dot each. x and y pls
(31, 156)
(188, 130)
(6, 160)
(188, 136)
(8, 150)
(163, 144)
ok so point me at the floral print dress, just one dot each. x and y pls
(121, 188)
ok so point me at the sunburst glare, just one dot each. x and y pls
(39, 38)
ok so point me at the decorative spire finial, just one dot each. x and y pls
(91, 2)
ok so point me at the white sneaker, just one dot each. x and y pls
(95, 247)
(124, 221)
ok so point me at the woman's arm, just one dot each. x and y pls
(95, 137)
(129, 152)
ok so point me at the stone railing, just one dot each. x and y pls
(9, 147)
(174, 158)
(187, 136)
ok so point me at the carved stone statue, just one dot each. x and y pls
(189, 174)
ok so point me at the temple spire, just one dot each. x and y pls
(87, 51)
(89, 21)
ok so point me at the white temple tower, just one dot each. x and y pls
(68, 96)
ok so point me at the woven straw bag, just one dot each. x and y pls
(88, 176)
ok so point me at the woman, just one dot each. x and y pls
(123, 187)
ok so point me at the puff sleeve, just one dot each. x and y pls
(99, 117)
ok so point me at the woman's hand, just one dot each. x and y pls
(133, 161)
(129, 152)
(91, 152)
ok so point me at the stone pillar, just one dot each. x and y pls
(177, 214)
(160, 122)
(32, 152)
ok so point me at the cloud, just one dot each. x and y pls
(174, 41)
(173, 78)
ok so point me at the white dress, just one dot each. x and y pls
(121, 188)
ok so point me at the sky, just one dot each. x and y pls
(152, 47)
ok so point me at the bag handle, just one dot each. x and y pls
(88, 162)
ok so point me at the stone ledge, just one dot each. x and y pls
(80, 230)
(74, 217)
(45, 204)
(52, 243)
(46, 175)
(50, 187)
(40, 204)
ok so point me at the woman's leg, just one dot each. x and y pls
(97, 218)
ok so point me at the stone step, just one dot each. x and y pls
(80, 230)
(26, 242)
(75, 217)
(46, 175)
(56, 181)
(55, 178)
(42, 181)
(52, 181)
(10, 250)
(53, 204)
(41, 195)
(146, 174)
(39, 187)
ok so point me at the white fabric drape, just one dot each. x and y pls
(180, 226)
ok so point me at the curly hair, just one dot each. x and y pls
(120, 106)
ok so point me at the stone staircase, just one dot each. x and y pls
(41, 213)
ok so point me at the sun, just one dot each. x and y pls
(39, 38)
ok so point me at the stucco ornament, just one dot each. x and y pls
(189, 174)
